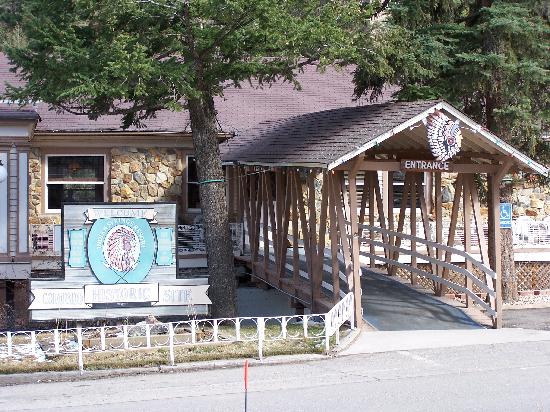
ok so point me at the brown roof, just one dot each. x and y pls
(321, 138)
(238, 110)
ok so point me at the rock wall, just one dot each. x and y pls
(146, 175)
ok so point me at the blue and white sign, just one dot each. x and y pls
(119, 260)
(121, 250)
(506, 216)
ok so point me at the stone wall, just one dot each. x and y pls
(35, 191)
(146, 175)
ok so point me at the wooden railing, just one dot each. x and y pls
(440, 268)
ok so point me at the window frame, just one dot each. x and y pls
(69, 182)
(190, 209)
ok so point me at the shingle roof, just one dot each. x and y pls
(318, 139)
(239, 109)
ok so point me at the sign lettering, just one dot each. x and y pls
(426, 165)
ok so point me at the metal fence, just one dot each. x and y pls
(39, 344)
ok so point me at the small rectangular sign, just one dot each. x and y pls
(425, 166)
(505, 215)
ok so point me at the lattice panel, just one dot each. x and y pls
(533, 275)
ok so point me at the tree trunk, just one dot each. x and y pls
(509, 279)
(214, 207)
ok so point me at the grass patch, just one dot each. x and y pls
(135, 358)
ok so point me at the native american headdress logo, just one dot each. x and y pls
(444, 136)
(121, 248)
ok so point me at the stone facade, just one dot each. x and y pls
(136, 175)
(146, 175)
(35, 191)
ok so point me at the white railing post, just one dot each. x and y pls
(102, 338)
(304, 324)
(10, 344)
(327, 333)
(238, 329)
(215, 331)
(125, 337)
(193, 331)
(80, 354)
(261, 337)
(148, 335)
(33, 342)
(171, 332)
(352, 320)
(283, 325)
(56, 341)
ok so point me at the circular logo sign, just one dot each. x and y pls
(121, 250)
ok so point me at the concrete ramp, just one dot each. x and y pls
(388, 305)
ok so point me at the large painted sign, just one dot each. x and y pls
(119, 260)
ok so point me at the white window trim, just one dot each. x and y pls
(189, 209)
(46, 181)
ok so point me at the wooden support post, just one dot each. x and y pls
(414, 193)
(494, 243)
(295, 229)
(389, 201)
(333, 239)
(303, 223)
(438, 220)
(452, 227)
(284, 231)
(366, 184)
(482, 241)
(322, 229)
(355, 248)
(381, 212)
(406, 188)
(315, 273)
(265, 221)
(467, 215)
(494, 181)
(342, 228)
(372, 222)
(425, 221)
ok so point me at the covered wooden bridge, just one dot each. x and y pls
(326, 195)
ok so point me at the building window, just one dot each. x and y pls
(76, 179)
(193, 199)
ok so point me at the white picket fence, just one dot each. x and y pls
(38, 344)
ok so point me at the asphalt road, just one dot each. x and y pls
(527, 318)
(504, 377)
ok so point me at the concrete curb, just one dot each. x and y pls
(70, 376)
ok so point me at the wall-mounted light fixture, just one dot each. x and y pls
(3, 172)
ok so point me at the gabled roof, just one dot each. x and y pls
(239, 109)
(329, 138)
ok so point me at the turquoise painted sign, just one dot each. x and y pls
(121, 250)
(77, 248)
(165, 256)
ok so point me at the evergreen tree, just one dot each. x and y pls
(489, 58)
(135, 57)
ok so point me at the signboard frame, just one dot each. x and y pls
(120, 260)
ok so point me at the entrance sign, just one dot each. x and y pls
(425, 166)
(119, 260)
(506, 216)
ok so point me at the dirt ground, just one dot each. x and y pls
(527, 318)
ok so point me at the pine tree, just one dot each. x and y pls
(489, 58)
(136, 57)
